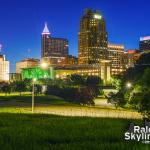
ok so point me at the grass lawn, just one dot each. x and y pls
(57, 106)
(26, 99)
(22, 130)
(48, 132)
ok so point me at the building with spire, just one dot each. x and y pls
(54, 50)
(92, 52)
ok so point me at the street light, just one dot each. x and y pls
(44, 65)
(33, 83)
(128, 85)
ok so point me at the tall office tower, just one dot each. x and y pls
(54, 50)
(4, 69)
(116, 56)
(145, 43)
(92, 38)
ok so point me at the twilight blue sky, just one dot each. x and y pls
(22, 22)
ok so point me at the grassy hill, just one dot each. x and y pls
(48, 132)
(58, 106)
(20, 129)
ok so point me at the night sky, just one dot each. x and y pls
(22, 22)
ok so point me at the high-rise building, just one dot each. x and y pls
(133, 56)
(54, 50)
(145, 43)
(92, 38)
(116, 56)
(27, 63)
(4, 69)
(70, 60)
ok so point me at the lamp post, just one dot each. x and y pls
(44, 65)
(128, 85)
(33, 91)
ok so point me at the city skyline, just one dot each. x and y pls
(21, 28)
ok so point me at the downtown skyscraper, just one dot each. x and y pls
(144, 44)
(92, 38)
(54, 50)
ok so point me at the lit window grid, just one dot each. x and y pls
(4, 71)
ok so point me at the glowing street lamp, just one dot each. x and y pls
(33, 85)
(128, 85)
(44, 65)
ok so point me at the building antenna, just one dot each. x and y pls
(1, 48)
(29, 52)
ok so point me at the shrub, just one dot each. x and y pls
(6, 89)
(82, 95)
(144, 107)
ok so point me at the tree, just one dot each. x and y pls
(38, 89)
(134, 74)
(139, 77)
(94, 83)
(87, 96)
(117, 81)
(20, 86)
(145, 106)
(141, 88)
(77, 80)
(144, 81)
(6, 89)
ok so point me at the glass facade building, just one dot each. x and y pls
(92, 38)
(116, 56)
(144, 43)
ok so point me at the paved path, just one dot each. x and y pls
(102, 109)
(103, 102)
(87, 111)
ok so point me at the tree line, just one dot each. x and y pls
(136, 96)
(74, 88)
